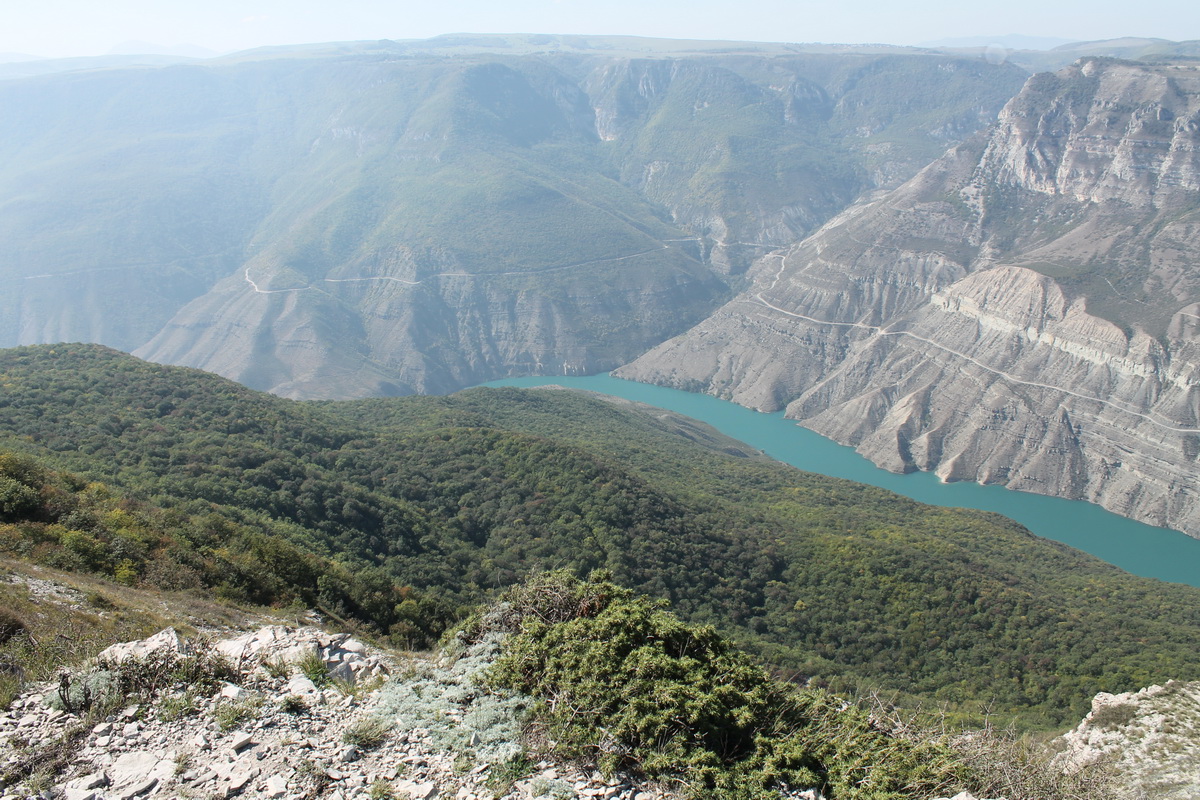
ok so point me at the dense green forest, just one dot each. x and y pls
(403, 513)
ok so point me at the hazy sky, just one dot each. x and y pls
(94, 27)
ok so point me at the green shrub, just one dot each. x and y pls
(177, 706)
(624, 684)
(367, 733)
(293, 704)
(17, 501)
(141, 680)
(313, 667)
(1114, 716)
(233, 713)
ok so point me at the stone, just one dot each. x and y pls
(344, 672)
(241, 778)
(276, 786)
(135, 766)
(416, 791)
(232, 692)
(240, 740)
(298, 684)
(135, 789)
(167, 639)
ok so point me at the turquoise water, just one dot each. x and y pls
(1141, 549)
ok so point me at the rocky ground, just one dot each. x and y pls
(1151, 739)
(303, 714)
(273, 732)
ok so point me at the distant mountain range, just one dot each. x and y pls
(1012, 41)
(349, 220)
(354, 219)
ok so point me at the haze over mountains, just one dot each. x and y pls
(357, 219)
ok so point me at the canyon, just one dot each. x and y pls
(1021, 312)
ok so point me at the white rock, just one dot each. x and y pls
(135, 789)
(416, 791)
(167, 639)
(240, 740)
(276, 786)
(92, 781)
(232, 691)
(298, 684)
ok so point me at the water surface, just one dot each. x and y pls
(1135, 547)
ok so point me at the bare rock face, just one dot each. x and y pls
(1022, 312)
(385, 330)
(1147, 738)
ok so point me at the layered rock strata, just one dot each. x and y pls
(1022, 312)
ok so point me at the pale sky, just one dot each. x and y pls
(59, 28)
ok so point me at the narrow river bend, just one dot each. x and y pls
(1135, 547)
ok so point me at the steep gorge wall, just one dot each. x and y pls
(955, 326)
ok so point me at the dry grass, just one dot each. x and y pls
(87, 614)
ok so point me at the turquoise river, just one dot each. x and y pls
(1141, 549)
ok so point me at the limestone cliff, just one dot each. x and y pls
(1022, 312)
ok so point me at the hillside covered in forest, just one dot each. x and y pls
(404, 513)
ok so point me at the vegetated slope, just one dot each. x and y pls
(363, 220)
(1022, 312)
(456, 496)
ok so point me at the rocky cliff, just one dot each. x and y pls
(1021, 312)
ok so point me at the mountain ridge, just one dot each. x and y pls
(1020, 312)
(363, 223)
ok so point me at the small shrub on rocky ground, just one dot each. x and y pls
(381, 790)
(177, 706)
(47, 759)
(1114, 716)
(293, 704)
(140, 679)
(234, 713)
(313, 667)
(1006, 763)
(368, 732)
(623, 684)
(449, 701)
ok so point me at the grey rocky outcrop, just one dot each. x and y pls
(274, 733)
(1150, 739)
(1024, 311)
